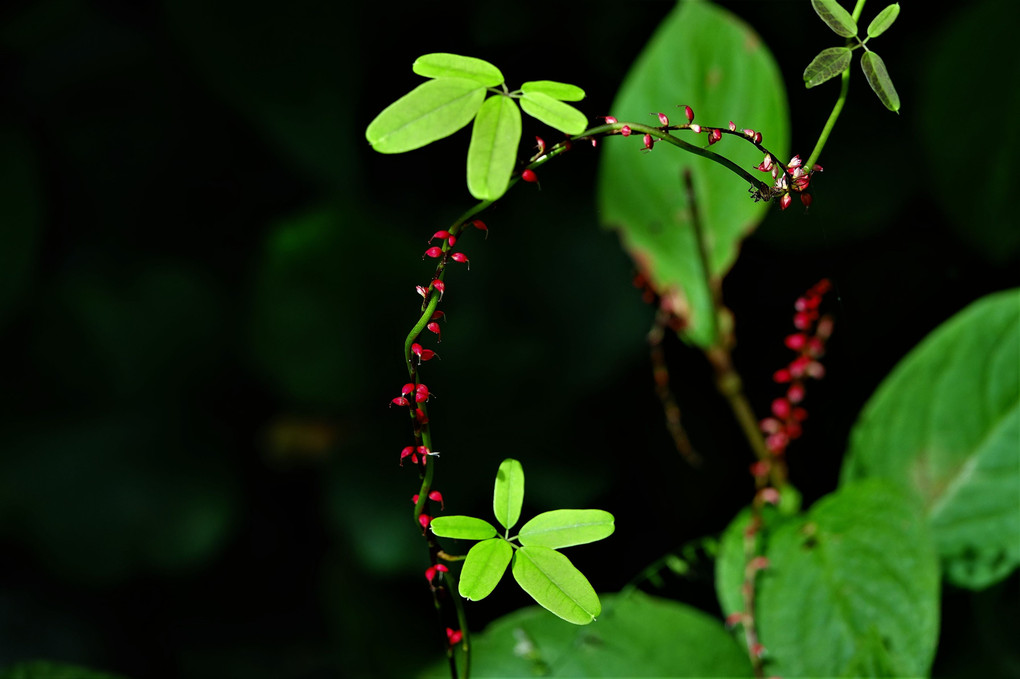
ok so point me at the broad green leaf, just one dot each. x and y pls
(561, 91)
(878, 78)
(566, 528)
(493, 151)
(462, 528)
(554, 113)
(835, 17)
(555, 584)
(508, 495)
(946, 424)
(484, 567)
(829, 63)
(637, 635)
(431, 111)
(884, 20)
(728, 74)
(851, 589)
(443, 65)
(43, 669)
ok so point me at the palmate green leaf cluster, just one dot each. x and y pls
(833, 61)
(538, 568)
(456, 95)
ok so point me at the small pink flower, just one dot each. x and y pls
(433, 252)
(625, 131)
(460, 257)
(610, 120)
(689, 114)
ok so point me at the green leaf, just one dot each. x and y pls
(462, 528)
(554, 113)
(851, 589)
(561, 91)
(884, 20)
(835, 17)
(637, 635)
(566, 528)
(431, 111)
(484, 567)
(555, 584)
(829, 63)
(493, 151)
(442, 65)
(508, 496)
(727, 74)
(945, 424)
(878, 78)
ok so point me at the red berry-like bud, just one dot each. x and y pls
(424, 520)
(529, 176)
(689, 114)
(625, 130)
(776, 443)
(795, 394)
(781, 408)
(785, 201)
(663, 119)
(757, 650)
(462, 258)
(454, 636)
(433, 252)
(434, 327)
(760, 468)
(796, 341)
(781, 376)
(648, 141)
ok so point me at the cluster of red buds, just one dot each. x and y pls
(813, 330)
(795, 178)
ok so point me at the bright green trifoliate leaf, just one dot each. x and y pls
(561, 91)
(443, 65)
(566, 528)
(553, 582)
(431, 111)
(508, 495)
(881, 83)
(884, 20)
(484, 567)
(835, 17)
(493, 151)
(554, 113)
(828, 64)
(462, 528)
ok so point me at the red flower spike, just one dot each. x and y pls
(529, 176)
(689, 114)
(625, 131)
(421, 394)
(434, 327)
(696, 128)
(436, 496)
(441, 235)
(663, 119)
(400, 401)
(541, 145)
(454, 636)
(433, 252)
(461, 258)
(424, 520)
(785, 201)
(795, 394)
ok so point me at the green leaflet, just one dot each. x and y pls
(554, 113)
(508, 495)
(442, 65)
(493, 151)
(835, 17)
(462, 528)
(884, 20)
(828, 64)
(431, 111)
(561, 91)
(881, 83)
(484, 567)
(553, 582)
(566, 528)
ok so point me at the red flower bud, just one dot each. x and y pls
(696, 128)
(462, 258)
(408, 452)
(419, 416)
(610, 120)
(407, 389)
(433, 252)
(805, 198)
(434, 327)
(541, 145)
(733, 128)
(663, 119)
(421, 394)
(480, 225)
(781, 376)
(625, 131)
(438, 315)
(795, 394)
(714, 136)
(454, 636)
(424, 520)
(689, 114)
(757, 137)
(785, 201)
(441, 235)
(436, 496)
(439, 287)
(649, 142)
(796, 341)
(781, 408)
(529, 176)
(400, 401)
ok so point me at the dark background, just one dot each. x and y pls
(206, 277)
